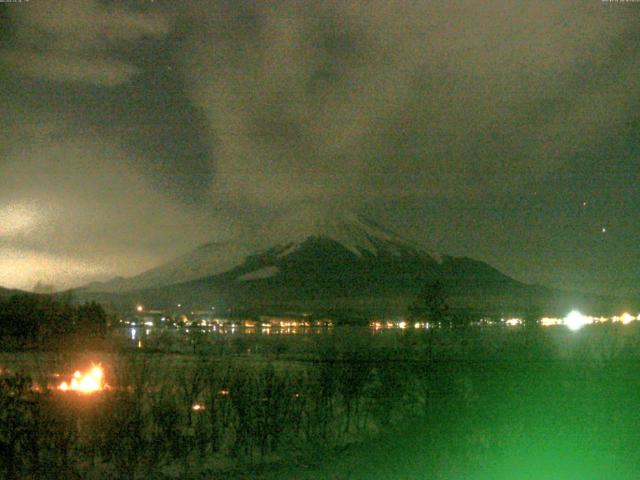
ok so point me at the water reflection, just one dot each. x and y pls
(139, 333)
(136, 334)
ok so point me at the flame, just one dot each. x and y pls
(89, 382)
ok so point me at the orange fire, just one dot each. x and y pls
(89, 382)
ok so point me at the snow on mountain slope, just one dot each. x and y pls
(209, 259)
(285, 236)
(354, 232)
(261, 273)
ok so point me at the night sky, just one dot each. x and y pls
(504, 131)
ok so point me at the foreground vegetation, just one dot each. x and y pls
(466, 394)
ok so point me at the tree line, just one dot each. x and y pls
(29, 320)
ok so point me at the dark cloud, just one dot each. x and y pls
(100, 163)
(139, 129)
(74, 41)
(367, 99)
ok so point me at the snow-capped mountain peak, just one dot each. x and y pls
(353, 231)
(283, 237)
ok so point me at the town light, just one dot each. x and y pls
(626, 318)
(575, 320)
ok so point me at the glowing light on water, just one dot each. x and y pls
(90, 382)
(550, 321)
(575, 320)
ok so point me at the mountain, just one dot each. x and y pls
(352, 232)
(206, 260)
(326, 262)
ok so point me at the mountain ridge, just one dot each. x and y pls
(356, 232)
(346, 262)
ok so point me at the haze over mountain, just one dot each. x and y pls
(351, 231)
(322, 260)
